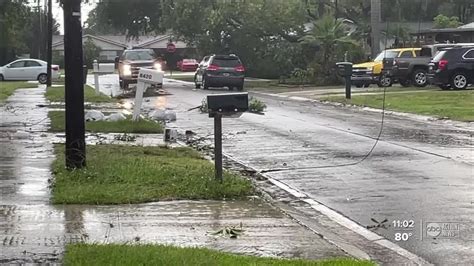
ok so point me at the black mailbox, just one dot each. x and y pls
(388, 63)
(228, 104)
(344, 68)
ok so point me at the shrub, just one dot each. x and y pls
(256, 106)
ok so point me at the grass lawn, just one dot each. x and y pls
(181, 77)
(456, 105)
(8, 87)
(273, 86)
(117, 174)
(56, 94)
(82, 254)
(125, 126)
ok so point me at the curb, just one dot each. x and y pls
(423, 118)
(335, 217)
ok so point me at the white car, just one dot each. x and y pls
(28, 69)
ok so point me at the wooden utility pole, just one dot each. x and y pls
(40, 30)
(375, 20)
(49, 49)
(73, 62)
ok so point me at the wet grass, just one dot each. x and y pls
(56, 94)
(8, 87)
(455, 105)
(117, 174)
(83, 254)
(272, 86)
(182, 78)
(58, 124)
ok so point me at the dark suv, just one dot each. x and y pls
(220, 71)
(131, 61)
(453, 68)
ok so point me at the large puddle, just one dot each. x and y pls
(32, 230)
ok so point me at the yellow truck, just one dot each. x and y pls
(371, 72)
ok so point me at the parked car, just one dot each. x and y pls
(187, 65)
(28, 69)
(453, 68)
(130, 62)
(414, 70)
(220, 71)
(371, 72)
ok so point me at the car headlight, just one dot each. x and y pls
(157, 66)
(127, 70)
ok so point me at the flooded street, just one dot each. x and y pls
(34, 231)
(420, 171)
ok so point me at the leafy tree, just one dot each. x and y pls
(442, 21)
(14, 15)
(263, 33)
(91, 52)
(19, 30)
(330, 35)
(134, 18)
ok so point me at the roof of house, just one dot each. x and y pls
(60, 41)
(122, 41)
(465, 28)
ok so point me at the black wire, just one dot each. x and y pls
(367, 155)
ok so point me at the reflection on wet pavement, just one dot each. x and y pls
(44, 230)
(420, 170)
(32, 230)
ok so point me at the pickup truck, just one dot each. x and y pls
(372, 72)
(410, 70)
(130, 62)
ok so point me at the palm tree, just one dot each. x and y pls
(328, 34)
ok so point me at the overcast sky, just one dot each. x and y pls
(58, 13)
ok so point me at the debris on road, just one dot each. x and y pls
(94, 115)
(231, 232)
(163, 115)
(115, 117)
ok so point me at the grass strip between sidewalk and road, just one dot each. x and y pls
(58, 124)
(7, 88)
(455, 105)
(95, 254)
(117, 174)
(181, 77)
(56, 94)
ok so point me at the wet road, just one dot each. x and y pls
(34, 231)
(419, 172)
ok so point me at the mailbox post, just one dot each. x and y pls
(345, 70)
(145, 77)
(218, 146)
(95, 67)
(224, 105)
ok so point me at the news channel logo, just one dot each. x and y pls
(448, 230)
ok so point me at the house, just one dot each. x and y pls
(463, 34)
(113, 45)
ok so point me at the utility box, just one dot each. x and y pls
(106, 68)
(344, 68)
(227, 105)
